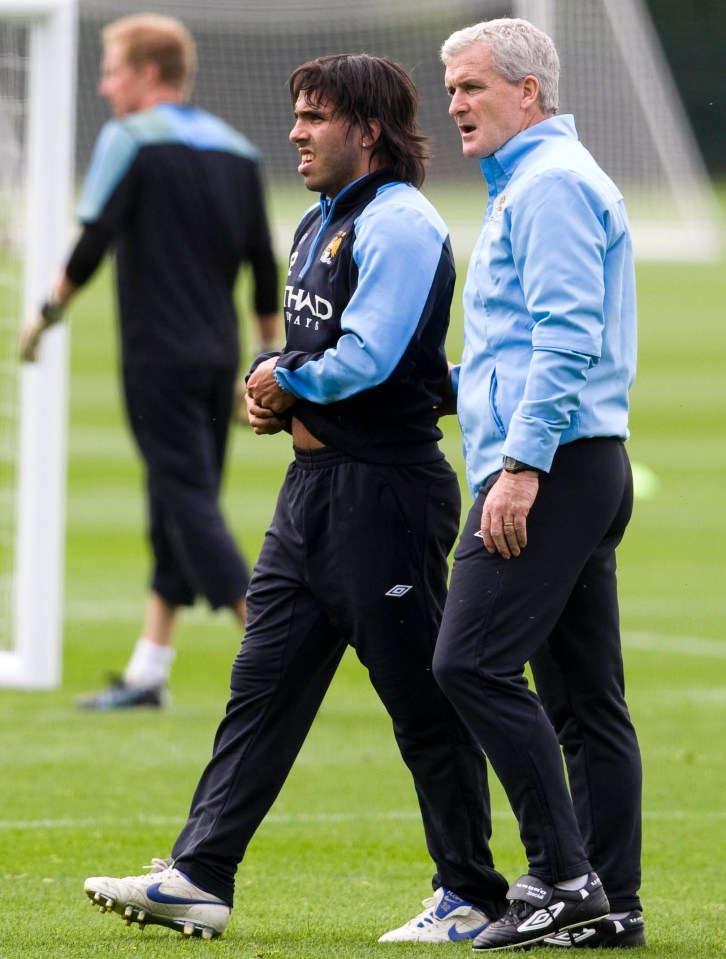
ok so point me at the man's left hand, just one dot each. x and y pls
(30, 334)
(504, 516)
(34, 328)
(265, 390)
(262, 420)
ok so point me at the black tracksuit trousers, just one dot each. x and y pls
(555, 606)
(356, 555)
(180, 418)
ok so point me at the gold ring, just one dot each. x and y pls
(508, 524)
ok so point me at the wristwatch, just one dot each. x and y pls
(517, 466)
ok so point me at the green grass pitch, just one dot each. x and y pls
(341, 858)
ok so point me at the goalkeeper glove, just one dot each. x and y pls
(49, 314)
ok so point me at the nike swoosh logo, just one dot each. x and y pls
(156, 895)
(457, 936)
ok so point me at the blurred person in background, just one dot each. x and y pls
(176, 194)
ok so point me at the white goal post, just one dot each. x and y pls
(32, 657)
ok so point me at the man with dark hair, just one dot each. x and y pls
(176, 193)
(356, 554)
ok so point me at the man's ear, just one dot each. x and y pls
(370, 133)
(151, 72)
(530, 91)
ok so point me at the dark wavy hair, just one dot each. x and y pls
(362, 88)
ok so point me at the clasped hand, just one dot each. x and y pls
(265, 399)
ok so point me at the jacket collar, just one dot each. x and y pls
(499, 167)
(358, 192)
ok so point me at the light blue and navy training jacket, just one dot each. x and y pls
(176, 192)
(366, 312)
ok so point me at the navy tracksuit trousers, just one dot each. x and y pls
(356, 555)
(180, 418)
(555, 606)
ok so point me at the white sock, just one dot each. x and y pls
(150, 664)
(571, 884)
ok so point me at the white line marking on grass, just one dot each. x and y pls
(90, 610)
(678, 645)
(124, 611)
(323, 818)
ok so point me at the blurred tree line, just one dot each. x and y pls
(693, 37)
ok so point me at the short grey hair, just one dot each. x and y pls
(518, 49)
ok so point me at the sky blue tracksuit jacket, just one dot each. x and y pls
(549, 303)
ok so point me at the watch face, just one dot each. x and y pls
(516, 466)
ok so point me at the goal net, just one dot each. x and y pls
(614, 79)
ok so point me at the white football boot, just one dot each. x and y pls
(446, 918)
(165, 897)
